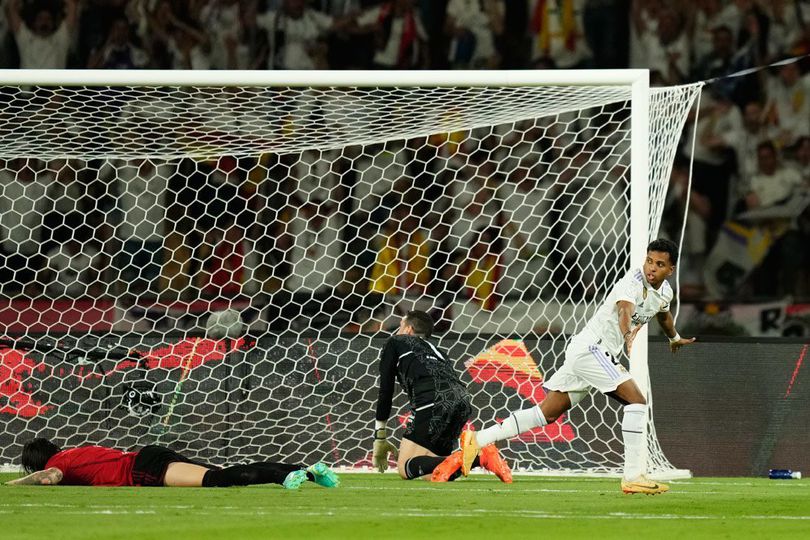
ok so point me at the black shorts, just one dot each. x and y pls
(151, 463)
(437, 428)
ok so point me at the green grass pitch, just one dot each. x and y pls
(383, 506)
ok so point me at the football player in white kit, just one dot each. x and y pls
(591, 361)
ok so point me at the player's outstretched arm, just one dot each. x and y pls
(668, 325)
(382, 448)
(48, 477)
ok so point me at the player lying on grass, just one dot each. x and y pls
(47, 464)
(591, 361)
(440, 406)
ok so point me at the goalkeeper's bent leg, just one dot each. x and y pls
(419, 466)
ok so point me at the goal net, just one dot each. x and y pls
(215, 268)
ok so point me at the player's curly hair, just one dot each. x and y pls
(421, 323)
(665, 246)
(36, 453)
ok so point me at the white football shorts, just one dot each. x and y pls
(587, 366)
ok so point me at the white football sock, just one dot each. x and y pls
(634, 433)
(518, 422)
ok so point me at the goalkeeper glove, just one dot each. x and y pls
(382, 448)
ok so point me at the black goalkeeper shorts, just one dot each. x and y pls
(438, 427)
(151, 463)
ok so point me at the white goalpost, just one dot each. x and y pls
(307, 211)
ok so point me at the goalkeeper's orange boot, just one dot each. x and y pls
(642, 484)
(492, 461)
(447, 468)
(469, 450)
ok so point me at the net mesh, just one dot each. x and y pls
(210, 268)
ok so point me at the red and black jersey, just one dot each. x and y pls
(94, 466)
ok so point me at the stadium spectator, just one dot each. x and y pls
(753, 35)
(606, 27)
(708, 17)
(43, 44)
(72, 267)
(246, 44)
(346, 48)
(96, 18)
(174, 43)
(801, 160)
(399, 34)
(381, 179)
(64, 194)
(476, 272)
(296, 35)
(313, 249)
(526, 205)
(754, 131)
(315, 174)
(719, 60)
(475, 206)
(22, 208)
(556, 33)
(643, 25)
(719, 123)
(786, 31)
(403, 251)
(774, 183)
(119, 51)
(788, 106)
(49, 465)
(695, 236)
(221, 20)
(140, 188)
(667, 50)
(221, 224)
(473, 26)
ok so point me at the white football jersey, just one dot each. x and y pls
(603, 327)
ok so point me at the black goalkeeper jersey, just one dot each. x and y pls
(425, 373)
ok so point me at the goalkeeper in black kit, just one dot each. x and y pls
(440, 408)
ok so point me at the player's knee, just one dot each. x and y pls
(637, 400)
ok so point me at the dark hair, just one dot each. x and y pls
(36, 454)
(421, 323)
(665, 246)
(766, 145)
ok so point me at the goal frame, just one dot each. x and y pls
(636, 79)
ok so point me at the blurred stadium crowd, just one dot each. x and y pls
(751, 152)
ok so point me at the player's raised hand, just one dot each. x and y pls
(380, 454)
(675, 345)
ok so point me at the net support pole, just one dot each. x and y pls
(639, 215)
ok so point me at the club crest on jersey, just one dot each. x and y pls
(638, 319)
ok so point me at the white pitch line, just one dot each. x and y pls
(747, 484)
(420, 513)
(461, 489)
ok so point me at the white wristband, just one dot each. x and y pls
(676, 338)
(380, 431)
